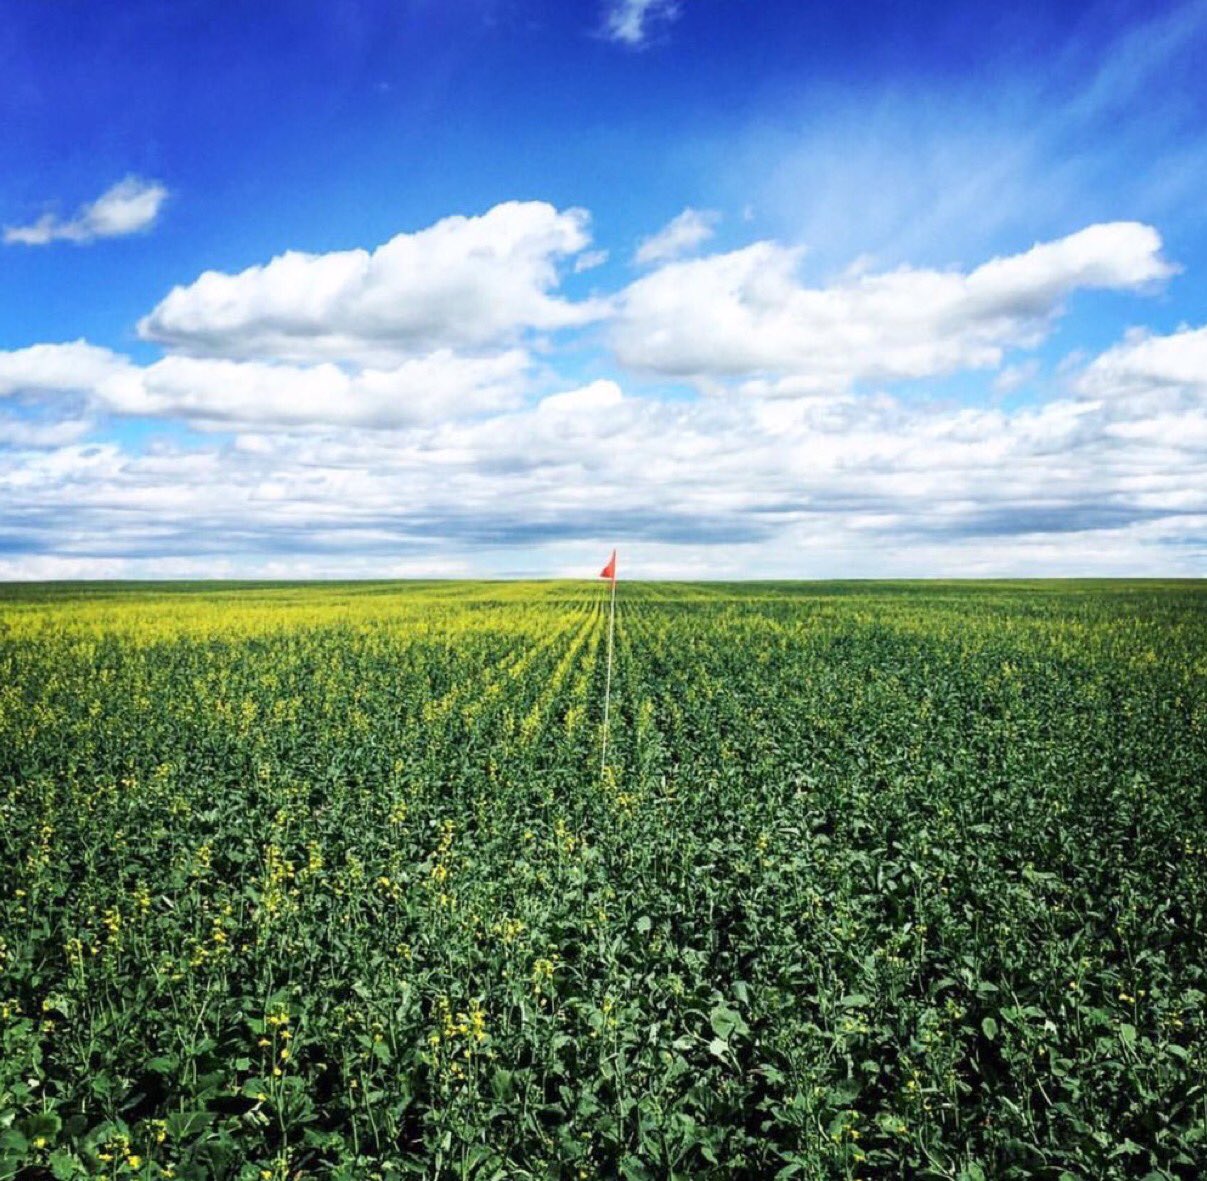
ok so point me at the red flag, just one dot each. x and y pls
(609, 571)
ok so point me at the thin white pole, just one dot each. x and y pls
(603, 761)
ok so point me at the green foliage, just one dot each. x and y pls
(881, 881)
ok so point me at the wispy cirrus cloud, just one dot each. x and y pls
(129, 207)
(939, 171)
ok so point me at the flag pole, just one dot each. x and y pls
(603, 760)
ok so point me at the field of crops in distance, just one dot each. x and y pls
(883, 880)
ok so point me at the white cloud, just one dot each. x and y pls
(849, 484)
(746, 314)
(679, 236)
(1144, 364)
(425, 328)
(364, 457)
(589, 260)
(57, 368)
(42, 432)
(599, 395)
(465, 282)
(1014, 377)
(629, 21)
(128, 207)
(216, 392)
(203, 391)
(1151, 391)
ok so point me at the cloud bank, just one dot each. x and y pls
(411, 408)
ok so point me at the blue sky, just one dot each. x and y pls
(712, 281)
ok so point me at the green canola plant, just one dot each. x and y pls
(879, 880)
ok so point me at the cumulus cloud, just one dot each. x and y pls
(1144, 363)
(463, 283)
(76, 366)
(1152, 392)
(1014, 377)
(679, 236)
(582, 402)
(746, 313)
(216, 392)
(834, 484)
(130, 206)
(44, 431)
(370, 445)
(630, 22)
(439, 386)
(426, 327)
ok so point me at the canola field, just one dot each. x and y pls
(882, 880)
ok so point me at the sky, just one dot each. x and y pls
(483, 288)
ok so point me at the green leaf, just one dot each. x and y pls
(181, 1125)
(64, 1166)
(632, 1169)
(845, 1093)
(502, 1084)
(724, 1021)
(855, 1000)
(990, 1028)
(45, 1124)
